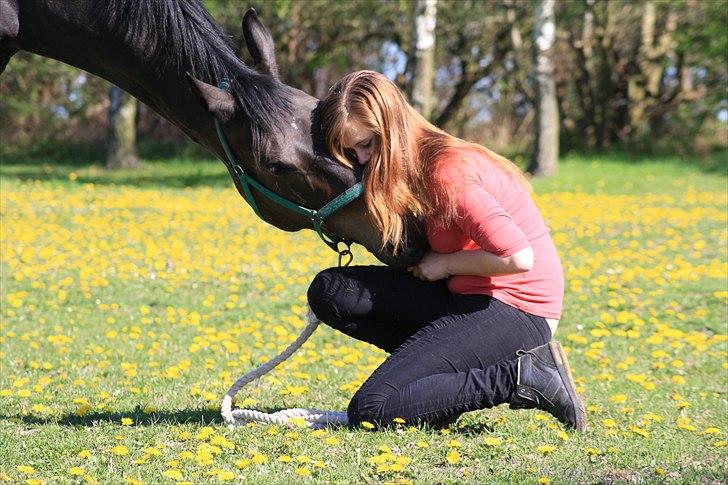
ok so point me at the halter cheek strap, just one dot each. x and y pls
(316, 216)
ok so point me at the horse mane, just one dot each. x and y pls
(182, 33)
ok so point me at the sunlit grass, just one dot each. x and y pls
(130, 302)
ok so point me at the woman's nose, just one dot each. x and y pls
(363, 155)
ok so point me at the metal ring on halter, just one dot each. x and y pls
(345, 253)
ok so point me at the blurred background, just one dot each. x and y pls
(638, 77)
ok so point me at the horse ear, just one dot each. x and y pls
(219, 103)
(260, 43)
(9, 28)
(9, 23)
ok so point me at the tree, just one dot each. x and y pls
(423, 77)
(121, 144)
(545, 156)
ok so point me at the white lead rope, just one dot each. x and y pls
(313, 418)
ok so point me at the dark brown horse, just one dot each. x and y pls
(171, 55)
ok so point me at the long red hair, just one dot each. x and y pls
(400, 181)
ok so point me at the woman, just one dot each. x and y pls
(470, 326)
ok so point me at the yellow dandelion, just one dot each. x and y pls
(332, 441)
(76, 470)
(127, 421)
(173, 473)
(226, 475)
(545, 449)
(422, 444)
(303, 472)
(493, 441)
(119, 450)
(25, 469)
(258, 458)
(544, 480)
(243, 464)
(367, 425)
(303, 459)
(453, 457)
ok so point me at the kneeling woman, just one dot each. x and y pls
(470, 326)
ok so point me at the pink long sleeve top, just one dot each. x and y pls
(495, 213)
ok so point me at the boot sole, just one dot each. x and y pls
(562, 365)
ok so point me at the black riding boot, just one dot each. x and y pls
(545, 382)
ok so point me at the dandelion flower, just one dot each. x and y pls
(119, 450)
(25, 469)
(493, 441)
(453, 457)
(303, 472)
(173, 473)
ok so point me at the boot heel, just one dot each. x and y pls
(565, 372)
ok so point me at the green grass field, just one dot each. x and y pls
(132, 300)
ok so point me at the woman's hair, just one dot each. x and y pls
(401, 181)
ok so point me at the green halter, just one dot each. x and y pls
(316, 216)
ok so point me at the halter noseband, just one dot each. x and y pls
(316, 216)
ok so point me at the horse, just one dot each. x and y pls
(171, 55)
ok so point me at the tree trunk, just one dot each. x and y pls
(545, 156)
(121, 144)
(424, 57)
(644, 87)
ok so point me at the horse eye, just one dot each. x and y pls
(280, 167)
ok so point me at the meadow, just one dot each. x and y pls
(132, 300)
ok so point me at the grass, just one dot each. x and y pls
(132, 300)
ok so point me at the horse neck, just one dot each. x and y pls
(66, 33)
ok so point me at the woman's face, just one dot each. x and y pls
(360, 141)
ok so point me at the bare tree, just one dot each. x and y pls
(121, 142)
(424, 56)
(545, 156)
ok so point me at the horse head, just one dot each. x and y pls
(274, 132)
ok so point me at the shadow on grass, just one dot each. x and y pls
(200, 417)
(160, 167)
(184, 416)
(154, 178)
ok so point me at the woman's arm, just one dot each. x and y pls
(476, 262)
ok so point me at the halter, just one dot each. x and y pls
(316, 216)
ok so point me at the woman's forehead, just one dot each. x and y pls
(354, 133)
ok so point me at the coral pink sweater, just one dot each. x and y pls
(497, 214)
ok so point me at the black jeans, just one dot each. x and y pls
(449, 353)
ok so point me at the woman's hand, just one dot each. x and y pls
(433, 267)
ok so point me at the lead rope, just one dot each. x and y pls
(312, 418)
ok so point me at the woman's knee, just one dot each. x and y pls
(323, 295)
(368, 404)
